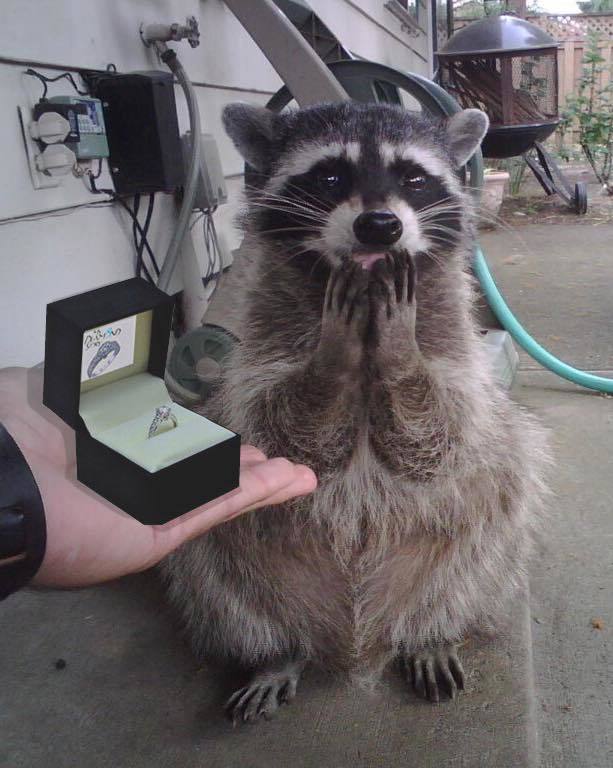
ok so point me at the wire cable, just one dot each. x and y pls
(144, 242)
(135, 209)
(214, 254)
(117, 199)
(137, 229)
(55, 213)
(44, 79)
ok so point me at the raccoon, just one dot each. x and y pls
(360, 357)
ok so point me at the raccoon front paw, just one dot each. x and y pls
(393, 309)
(436, 668)
(344, 318)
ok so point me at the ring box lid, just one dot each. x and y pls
(134, 308)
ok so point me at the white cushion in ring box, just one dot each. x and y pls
(119, 415)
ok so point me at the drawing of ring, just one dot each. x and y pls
(162, 414)
(105, 355)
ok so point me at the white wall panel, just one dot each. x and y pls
(41, 261)
(92, 33)
(49, 259)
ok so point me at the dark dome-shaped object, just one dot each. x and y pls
(508, 68)
(496, 34)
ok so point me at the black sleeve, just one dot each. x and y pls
(23, 532)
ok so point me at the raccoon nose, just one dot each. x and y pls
(377, 228)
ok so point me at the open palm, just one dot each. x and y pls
(89, 540)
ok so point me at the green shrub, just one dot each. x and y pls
(589, 112)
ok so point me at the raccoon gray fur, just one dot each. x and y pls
(360, 357)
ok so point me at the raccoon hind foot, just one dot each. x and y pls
(433, 669)
(266, 691)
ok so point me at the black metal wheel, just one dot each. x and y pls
(581, 197)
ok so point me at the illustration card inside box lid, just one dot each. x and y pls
(105, 357)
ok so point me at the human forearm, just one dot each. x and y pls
(88, 539)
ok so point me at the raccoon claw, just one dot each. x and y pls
(346, 288)
(392, 294)
(435, 669)
(344, 319)
(394, 279)
(264, 694)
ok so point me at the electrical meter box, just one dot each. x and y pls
(143, 132)
(211, 190)
(105, 358)
(91, 142)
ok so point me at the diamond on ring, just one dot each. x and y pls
(162, 414)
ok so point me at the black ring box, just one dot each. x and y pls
(153, 497)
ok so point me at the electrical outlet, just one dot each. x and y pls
(58, 132)
(40, 179)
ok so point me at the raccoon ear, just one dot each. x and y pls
(250, 128)
(465, 131)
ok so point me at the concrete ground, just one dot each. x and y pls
(559, 281)
(130, 693)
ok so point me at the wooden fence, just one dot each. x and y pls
(572, 32)
(570, 57)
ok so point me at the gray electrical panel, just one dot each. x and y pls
(212, 189)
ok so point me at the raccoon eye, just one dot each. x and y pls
(328, 180)
(413, 181)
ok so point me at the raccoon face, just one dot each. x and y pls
(355, 181)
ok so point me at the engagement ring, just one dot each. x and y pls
(162, 414)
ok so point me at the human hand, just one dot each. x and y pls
(89, 540)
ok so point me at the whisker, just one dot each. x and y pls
(493, 219)
(294, 199)
(443, 230)
(284, 229)
(439, 202)
(285, 259)
(310, 195)
(439, 215)
(288, 202)
(321, 256)
(434, 257)
(307, 217)
(478, 214)
(435, 210)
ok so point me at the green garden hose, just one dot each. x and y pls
(522, 337)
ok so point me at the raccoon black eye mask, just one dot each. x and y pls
(361, 195)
